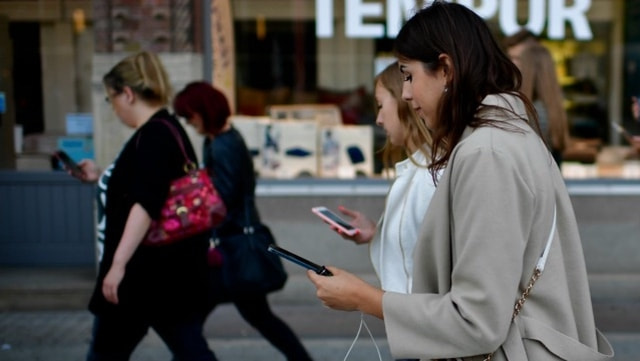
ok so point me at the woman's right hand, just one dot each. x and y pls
(346, 292)
(111, 283)
(90, 171)
(366, 226)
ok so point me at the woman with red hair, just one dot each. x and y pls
(228, 160)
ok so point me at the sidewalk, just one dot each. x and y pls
(43, 317)
(64, 336)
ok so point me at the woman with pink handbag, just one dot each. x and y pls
(139, 286)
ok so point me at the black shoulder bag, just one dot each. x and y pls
(247, 267)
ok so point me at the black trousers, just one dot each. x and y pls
(256, 311)
(115, 337)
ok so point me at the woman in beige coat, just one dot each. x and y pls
(500, 201)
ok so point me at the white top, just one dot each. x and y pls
(392, 247)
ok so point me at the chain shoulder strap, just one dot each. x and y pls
(537, 272)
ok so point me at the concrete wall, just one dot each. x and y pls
(610, 231)
(607, 211)
(41, 228)
(46, 219)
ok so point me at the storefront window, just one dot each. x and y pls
(328, 51)
(312, 60)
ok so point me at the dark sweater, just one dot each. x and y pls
(229, 162)
(159, 280)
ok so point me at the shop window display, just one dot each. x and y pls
(281, 59)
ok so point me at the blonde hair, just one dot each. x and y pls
(144, 73)
(540, 82)
(416, 132)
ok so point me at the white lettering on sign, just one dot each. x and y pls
(357, 11)
(397, 11)
(509, 17)
(324, 18)
(575, 15)
(560, 14)
(487, 8)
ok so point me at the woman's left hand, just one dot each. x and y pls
(345, 291)
(111, 283)
(90, 171)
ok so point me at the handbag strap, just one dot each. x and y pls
(188, 162)
(537, 272)
(189, 165)
(247, 228)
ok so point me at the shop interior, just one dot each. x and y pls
(280, 61)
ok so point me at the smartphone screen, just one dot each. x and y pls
(288, 255)
(333, 218)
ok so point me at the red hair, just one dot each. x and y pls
(203, 99)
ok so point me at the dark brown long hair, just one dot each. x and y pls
(479, 68)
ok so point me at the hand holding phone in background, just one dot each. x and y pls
(69, 164)
(90, 170)
(86, 170)
(622, 131)
(633, 140)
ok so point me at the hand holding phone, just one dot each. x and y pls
(622, 131)
(321, 270)
(333, 219)
(68, 163)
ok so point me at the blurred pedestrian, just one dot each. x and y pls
(139, 286)
(540, 84)
(228, 159)
(500, 202)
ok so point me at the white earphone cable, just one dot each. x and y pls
(363, 323)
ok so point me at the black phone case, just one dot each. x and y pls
(321, 270)
(68, 163)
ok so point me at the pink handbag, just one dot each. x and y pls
(193, 205)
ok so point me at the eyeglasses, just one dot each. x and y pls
(109, 97)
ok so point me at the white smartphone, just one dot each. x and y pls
(332, 218)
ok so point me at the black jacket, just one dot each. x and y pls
(229, 162)
(159, 280)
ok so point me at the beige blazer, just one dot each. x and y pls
(482, 235)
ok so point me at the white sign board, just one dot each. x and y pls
(554, 13)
